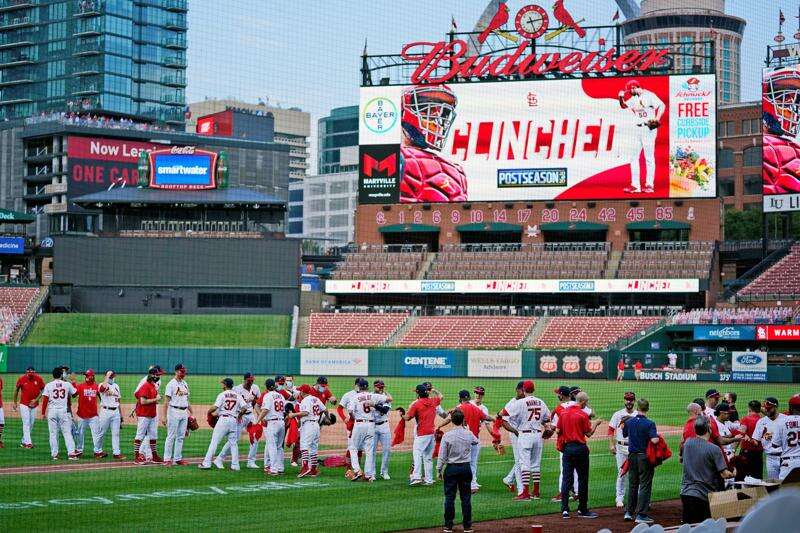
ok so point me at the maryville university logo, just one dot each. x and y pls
(594, 364)
(548, 364)
(386, 166)
(571, 364)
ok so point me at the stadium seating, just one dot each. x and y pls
(467, 332)
(750, 315)
(353, 329)
(590, 332)
(380, 265)
(666, 260)
(528, 261)
(14, 303)
(781, 279)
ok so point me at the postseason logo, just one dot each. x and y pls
(531, 177)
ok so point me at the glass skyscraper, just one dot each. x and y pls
(119, 57)
(338, 141)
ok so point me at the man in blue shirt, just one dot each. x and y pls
(640, 431)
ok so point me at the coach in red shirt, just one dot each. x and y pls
(423, 410)
(573, 428)
(87, 413)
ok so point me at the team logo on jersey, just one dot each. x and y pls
(571, 364)
(548, 364)
(594, 364)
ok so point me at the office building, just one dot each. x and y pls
(337, 141)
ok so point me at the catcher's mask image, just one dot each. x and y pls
(781, 102)
(427, 114)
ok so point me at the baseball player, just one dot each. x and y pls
(110, 414)
(30, 385)
(55, 408)
(344, 406)
(250, 392)
(486, 422)
(564, 401)
(229, 408)
(87, 414)
(647, 110)
(712, 399)
(361, 407)
(285, 386)
(311, 408)
(176, 416)
(474, 417)
(786, 439)
(513, 479)
(271, 409)
(766, 428)
(154, 370)
(147, 398)
(533, 416)
(618, 443)
(321, 391)
(383, 433)
(423, 411)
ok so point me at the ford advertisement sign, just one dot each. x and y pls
(749, 366)
(724, 332)
(428, 363)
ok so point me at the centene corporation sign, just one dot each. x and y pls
(431, 57)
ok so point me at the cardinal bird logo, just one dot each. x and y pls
(567, 22)
(498, 21)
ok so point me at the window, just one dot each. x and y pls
(57, 11)
(338, 187)
(751, 157)
(725, 158)
(338, 204)
(751, 126)
(316, 222)
(56, 69)
(56, 88)
(726, 129)
(752, 184)
(296, 228)
(337, 221)
(234, 299)
(295, 211)
(316, 189)
(316, 206)
(296, 195)
(726, 187)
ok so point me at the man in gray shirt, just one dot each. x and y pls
(704, 468)
(453, 466)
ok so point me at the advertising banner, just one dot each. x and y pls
(3, 358)
(505, 286)
(594, 138)
(724, 332)
(428, 363)
(780, 149)
(182, 168)
(334, 362)
(667, 375)
(749, 366)
(778, 333)
(494, 364)
(570, 365)
(12, 245)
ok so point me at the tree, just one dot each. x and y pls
(743, 225)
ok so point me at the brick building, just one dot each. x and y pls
(739, 155)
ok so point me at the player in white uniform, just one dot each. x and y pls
(270, 409)
(533, 416)
(712, 400)
(647, 109)
(618, 443)
(250, 392)
(228, 407)
(311, 408)
(344, 403)
(110, 414)
(362, 407)
(513, 479)
(176, 416)
(157, 372)
(765, 429)
(486, 423)
(56, 410)
(787, 438)
(383, 433)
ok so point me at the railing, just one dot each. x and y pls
(87, 27)
(94, 46)
(174, 80)
(756, 271)
(8, 22)
(16, 76)
(9, 5)
(176, 22)
(16, 38)
(175, 5)
(86, 88)
(174, 61)
(172, 99)
(29, 318)
(174, 42)
(385, 248)
(89, 8)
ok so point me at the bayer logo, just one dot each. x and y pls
(380, 115)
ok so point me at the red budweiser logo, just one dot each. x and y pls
(445, 61)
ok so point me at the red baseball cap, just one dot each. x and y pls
(89, 373)
(794, 401)
(632, 84)
(629, 396)
(479, 390)
(528, 385)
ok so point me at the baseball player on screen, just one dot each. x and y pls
(228, 408)
(618, 443)
(647, 110)
(271, 409)
(55, 408)
(250, 392)
(787, 438)
(176, 416)
(110, 414)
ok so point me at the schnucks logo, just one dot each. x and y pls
(750, 359)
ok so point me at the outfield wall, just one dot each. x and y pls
(429, 363)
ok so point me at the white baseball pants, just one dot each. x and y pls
(773, 466)
(226, 429)
(82, 425)
(383, 436)
(475, 452)
(622, 455)
(146, 430)
(274, 434)
(28, 416)
(363, 437)
(109, 419)
(530, 456)
(309, 442)
(423, 457)
(177, 420)
(253, 451)
(60, 420)
(644, 140)
(514, 475)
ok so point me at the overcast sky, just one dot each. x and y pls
(306, 53)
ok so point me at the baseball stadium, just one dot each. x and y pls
(540, 320)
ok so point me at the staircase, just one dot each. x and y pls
(302, 332)
(401, 331)
(756, 271)
(535, 332)
(423, 270)
(612, 266)
(26, 321)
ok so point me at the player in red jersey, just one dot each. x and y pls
(147, 398)
(427, 114)
(30, 385)
(87, 414)
(423, 411)
(474, 417)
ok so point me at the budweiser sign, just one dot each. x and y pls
(440, 62)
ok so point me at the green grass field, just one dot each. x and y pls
(183, 499)
(88, 329)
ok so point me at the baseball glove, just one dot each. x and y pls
(192, 424)
(547, 433)
(653, 124)
(327, 419)
(212, 420)
(499, 448)
(383, 408)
